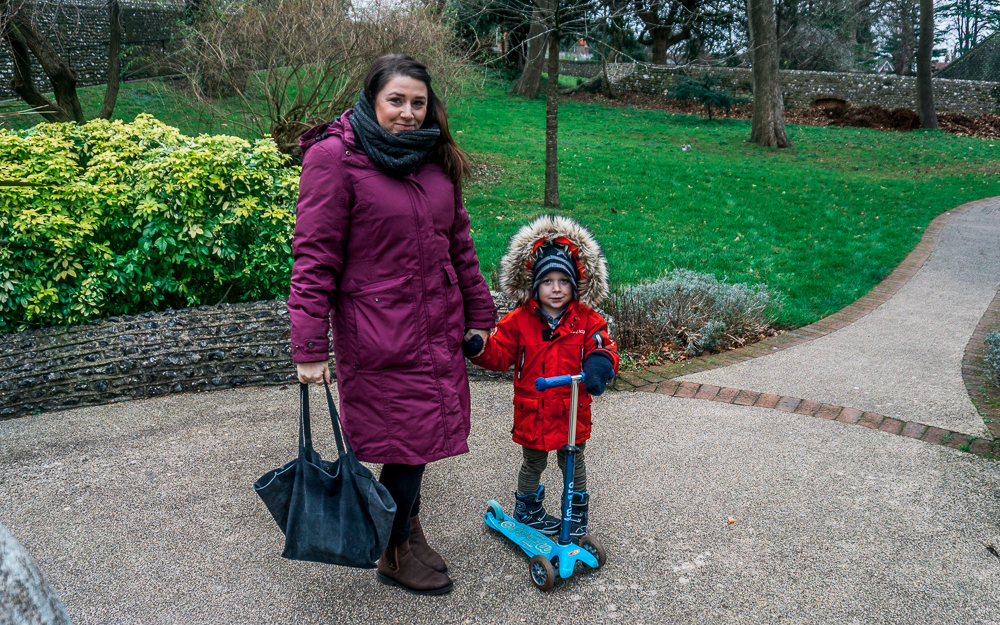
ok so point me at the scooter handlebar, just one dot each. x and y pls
(543, 384)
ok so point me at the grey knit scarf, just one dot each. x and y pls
(395, 154)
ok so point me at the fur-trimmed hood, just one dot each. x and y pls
(580, 244)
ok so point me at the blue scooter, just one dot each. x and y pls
(548, 556)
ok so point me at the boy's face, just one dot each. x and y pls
(554, 292)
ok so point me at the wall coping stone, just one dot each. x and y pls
(801, 88)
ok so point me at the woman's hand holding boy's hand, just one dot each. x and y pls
(598, 370)
(471, 332)
(473, 345)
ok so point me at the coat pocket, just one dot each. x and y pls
(455, 313)
(385, 332)
(525, 420)
(583, 403)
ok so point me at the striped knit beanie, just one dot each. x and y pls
(553, 258)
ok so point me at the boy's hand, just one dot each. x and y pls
(599, 370)
(473, 346)
(471, 332)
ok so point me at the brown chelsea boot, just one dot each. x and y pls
(424, 552)
(399, 567)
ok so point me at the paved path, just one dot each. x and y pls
(904, 360)
(142, 512)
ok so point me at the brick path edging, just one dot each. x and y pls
(985, 396)
(851, 416)
(982, 391)
(878, 295)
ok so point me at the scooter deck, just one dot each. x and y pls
(532, 542)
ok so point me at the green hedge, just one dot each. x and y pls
(127, 218)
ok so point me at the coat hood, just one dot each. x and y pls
(339, 127)
(515, 266)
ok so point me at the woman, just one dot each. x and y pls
(382, 247)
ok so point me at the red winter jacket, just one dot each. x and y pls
(522, 339)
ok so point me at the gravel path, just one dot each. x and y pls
(143, 512)
(904, 360)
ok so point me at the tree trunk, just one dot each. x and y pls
(925, 52)
(552, 124)
(658, 36)
(904, 53)
(60, 74)
(114, 59)
(528, 84)
(606, 86)
(23, 83)
(768, 127)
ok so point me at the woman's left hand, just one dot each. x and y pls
(471, 332)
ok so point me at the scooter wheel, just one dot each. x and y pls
(496, 511)
(594, 547)
(542, 573)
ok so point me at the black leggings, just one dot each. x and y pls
(403, 483)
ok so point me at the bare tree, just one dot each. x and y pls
(295, 63)
(114, 59)
(925, 53)
(528, 84)
(667, 23)
(768, 127)
(552, 120)
(895, 32)
(8, 8)
(971, 21)
(22, 28)
(553, 21)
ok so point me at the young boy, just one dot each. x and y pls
(556, 272)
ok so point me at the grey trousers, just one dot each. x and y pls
(535, 462)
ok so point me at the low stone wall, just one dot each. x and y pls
(174, 351)
(579, 69)
(801, 89)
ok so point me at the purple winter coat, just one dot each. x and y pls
(391, 263)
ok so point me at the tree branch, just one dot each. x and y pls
(114, 59)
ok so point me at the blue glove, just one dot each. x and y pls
(473, 346)
(599, 370)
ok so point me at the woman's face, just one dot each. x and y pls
(401, 105)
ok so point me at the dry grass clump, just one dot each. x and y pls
(992, 357)
(693, 311)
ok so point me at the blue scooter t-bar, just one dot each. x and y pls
(542, 384)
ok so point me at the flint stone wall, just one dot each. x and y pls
(801, 89)
(79, 31)
(579, 69)
(135, 357)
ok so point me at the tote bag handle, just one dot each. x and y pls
(305, 431)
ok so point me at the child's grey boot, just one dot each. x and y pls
(579, 509)
(530, 511)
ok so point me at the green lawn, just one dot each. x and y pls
(822, 222)
(166, 103)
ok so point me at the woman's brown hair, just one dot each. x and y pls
(447, 153)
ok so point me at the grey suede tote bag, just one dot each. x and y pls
(330, 512)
